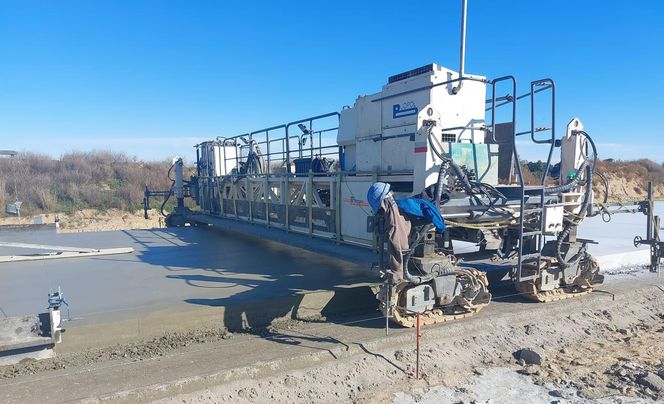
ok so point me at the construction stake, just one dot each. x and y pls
(388, 284)
(417, 341)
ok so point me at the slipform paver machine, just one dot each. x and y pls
(442, 135)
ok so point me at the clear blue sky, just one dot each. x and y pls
(153, 77)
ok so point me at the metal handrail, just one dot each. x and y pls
(310, 121)
(545, 84)
(522, 96)
(263, 138)
(493, 109)
(515, 156)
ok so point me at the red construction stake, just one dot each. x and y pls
(417, 339)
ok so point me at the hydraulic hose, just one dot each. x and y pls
(570, 185)
(457, 170)
(571, 225)
(605, 182)
(584, 205)
(471, 190)
(577, 177)
(417, 280)
(170, 191)
(439, 183)
(163, 204)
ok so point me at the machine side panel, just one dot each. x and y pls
(355, 210)
(465, 109)
(401, 111)
(368, 155)
(397, 150)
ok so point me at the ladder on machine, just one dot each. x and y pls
(533, 197)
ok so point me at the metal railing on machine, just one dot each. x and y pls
(279, 147)
(279, 176)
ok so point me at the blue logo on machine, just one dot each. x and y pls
(404, 109)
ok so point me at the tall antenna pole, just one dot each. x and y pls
(462, 50)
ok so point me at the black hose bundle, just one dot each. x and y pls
(444, 166)
(584, 205)
(170, 190)
(577, 176)
(570, 185)
(417, 280)
(255, 164)
(473, 188)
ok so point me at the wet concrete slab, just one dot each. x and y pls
(211, 275)
(171, 269)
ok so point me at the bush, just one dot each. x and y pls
(79, 180)
(642, 170)
(617, 172)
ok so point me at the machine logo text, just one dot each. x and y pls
(404, 109)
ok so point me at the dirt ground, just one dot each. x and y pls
(603, 350)
(616, 365)
(625, 190)
(604, 347)
(95, 220)
(625, 361)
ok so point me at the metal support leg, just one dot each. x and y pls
(652, 232)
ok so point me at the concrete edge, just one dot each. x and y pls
(624, 259)
(237, 317)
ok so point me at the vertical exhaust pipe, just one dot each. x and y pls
(462, 50)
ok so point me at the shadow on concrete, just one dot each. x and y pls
(255, 281)
(241, 313)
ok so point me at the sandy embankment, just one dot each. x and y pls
(95, 220)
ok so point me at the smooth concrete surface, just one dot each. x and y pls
(615, 239)
(171, 269)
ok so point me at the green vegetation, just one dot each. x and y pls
(643, 169)
(91, 180)
(627, 180)
(104, 180)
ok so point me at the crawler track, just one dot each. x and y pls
(439, 314)
(434, 316)
(529, 290)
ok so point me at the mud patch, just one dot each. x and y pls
(134, 351)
